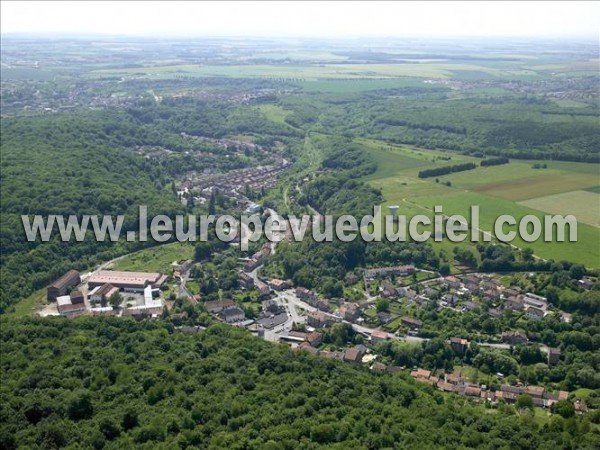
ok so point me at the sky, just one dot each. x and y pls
(319, 19)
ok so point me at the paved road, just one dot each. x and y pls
(182, 290)
(296, 302)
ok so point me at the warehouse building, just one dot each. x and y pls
(63, 284)
(128, 281)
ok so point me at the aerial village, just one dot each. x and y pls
(301, 317)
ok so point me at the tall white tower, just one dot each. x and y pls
(394, 211)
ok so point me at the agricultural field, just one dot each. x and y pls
(306, 71)
(497, 190)
(360, 85)
(584, 205)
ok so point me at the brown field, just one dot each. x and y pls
(539, 186)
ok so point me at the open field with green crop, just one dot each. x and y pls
(308, 72)
(156, 259)
(584, 205)
(350, 86)
(582, 251)
(397, 176)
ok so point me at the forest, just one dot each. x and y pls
(117, 383)
(86, 163)
(513, 125)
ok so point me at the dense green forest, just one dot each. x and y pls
(117, 383)
(87, 163)
(512, 125)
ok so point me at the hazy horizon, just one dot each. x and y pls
(340, 20)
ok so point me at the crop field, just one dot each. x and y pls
(584, 205)
(504, 175)
(360, 85)
(538, 186)
(315, 72)
(495, 189)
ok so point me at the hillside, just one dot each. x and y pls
(107, 383)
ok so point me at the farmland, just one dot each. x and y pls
(315, 70)
(490, 188)
(584, 205)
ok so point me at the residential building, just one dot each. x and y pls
(319, 319)
(233, 314)
(263, 290)
(379, 336)
(536, 300)
(384, 317)
(459, 345)
(216, 306)
(387, 290)
(271, 306)
(421, 374)
(516, 303)
(308, 348)
(387, 271)
(411, 322)
(514, 338)
(535, 313)
(246, 281)
(278, 285)
(452, 282)
(469, 306)
(314, 338)
(355, 354)
(553, 356)
(379, 367)
(143, 312)
(303, 294)
(348, 311)
(534, 391)
(331, 355)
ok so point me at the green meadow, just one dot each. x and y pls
(156, 259)
(311, 71)
(397, 176)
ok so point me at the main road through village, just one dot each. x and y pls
(295, 307)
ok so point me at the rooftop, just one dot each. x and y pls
(120, 277)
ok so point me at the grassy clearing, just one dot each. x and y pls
(156, 259)
(274, 113)
(582, 393)
(584, 205)
(29, 305)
